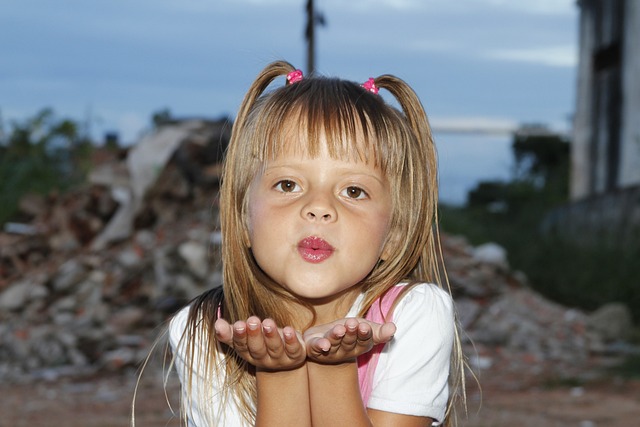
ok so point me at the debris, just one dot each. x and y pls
(84, 286)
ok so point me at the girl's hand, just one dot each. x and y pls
(263, 344)
(345, 339)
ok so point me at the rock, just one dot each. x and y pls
(19, 294)
(69, 275)
(130, 258)
(195, 255)
(491, 253)
(468, 311)
(119, 358)
(125, 320)
(613, 322)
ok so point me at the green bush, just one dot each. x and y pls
(40, 155)
(510, 214)
(576, 276)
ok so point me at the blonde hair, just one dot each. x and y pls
(398, 142)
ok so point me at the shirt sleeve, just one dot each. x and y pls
(413, 370)
(177, 327)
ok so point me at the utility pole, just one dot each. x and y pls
(313, 18)
(310, 36)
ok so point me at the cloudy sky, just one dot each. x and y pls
(491, 64)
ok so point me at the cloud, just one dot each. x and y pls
(554, 56)
(541, 7)
(473, 125)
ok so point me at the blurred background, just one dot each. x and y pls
(114, 117)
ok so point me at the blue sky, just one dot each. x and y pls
(474, 63)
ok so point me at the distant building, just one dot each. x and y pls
(606, 140)
(605, 152)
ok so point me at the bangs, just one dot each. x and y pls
(298, 118)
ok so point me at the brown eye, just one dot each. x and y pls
(355, 192)
(286, 186)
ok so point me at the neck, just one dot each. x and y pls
(335, 307)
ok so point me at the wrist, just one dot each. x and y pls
(340, 363)
(281, 371)
(343, 365)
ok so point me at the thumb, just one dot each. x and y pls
(384, 333)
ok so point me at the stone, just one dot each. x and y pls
(68, 275)
(126, 319)
(195, 255)
(16, 296)
(491, 253)
(613, 322)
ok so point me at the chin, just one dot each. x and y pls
(314, 296)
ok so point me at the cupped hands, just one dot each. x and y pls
(266, 346)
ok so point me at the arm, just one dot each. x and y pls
(281, 372)
(336, 401)
(283, 398)
(333, 376)
(334, 391)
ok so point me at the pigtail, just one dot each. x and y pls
(260, 84)
(413, 254)
(410, 103)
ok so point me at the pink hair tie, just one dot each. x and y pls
(370, 85)
(294, 76)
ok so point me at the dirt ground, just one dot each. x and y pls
(105, 401)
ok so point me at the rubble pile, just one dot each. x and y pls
(87, 283)
(509, 326)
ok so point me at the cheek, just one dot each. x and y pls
(252, 225)
(252, 214)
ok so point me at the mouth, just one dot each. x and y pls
(314, 249)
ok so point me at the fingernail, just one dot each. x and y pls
(252, 326)
(267, 329)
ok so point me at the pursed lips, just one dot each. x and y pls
(314, 249)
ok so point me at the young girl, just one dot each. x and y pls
(328, 204)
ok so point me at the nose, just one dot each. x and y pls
(319, 208)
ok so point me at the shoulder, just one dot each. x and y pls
(178, 325)
(424, 300)
(425, 319)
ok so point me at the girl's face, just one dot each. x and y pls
(317, 226)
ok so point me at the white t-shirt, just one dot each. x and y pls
(411, 377)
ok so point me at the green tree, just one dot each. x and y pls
(540, 177)
(40, 154)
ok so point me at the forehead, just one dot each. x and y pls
(303, 135)
(300, 138)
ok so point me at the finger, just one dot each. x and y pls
(292, 344)
(255, 338)
(239, 341)
(351, 334)
(272, 340)
(336, 334)
(319, 346)
(384, 333)
(224, 331)
(365, 336)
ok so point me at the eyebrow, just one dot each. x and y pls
(383, 180)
